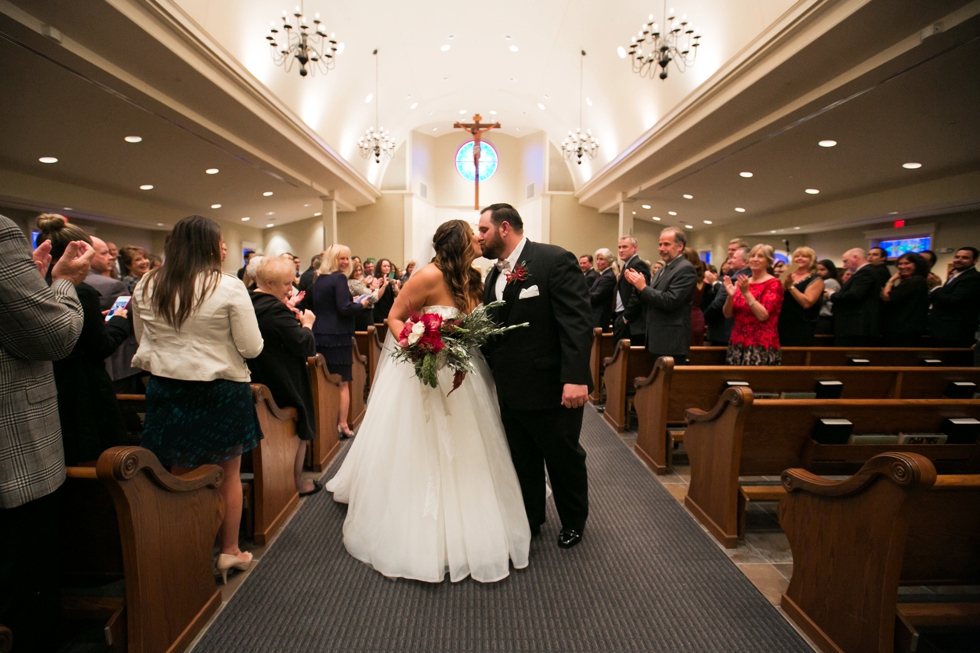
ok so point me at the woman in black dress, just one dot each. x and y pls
(334, 325)
(906, 302)
(390, 288)
(801, 300)
(281, 366)
(90, 417)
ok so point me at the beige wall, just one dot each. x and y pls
(581, 229)
(303, 239)
(377, 230)
(647, 234)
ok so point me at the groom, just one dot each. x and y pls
(541, 372)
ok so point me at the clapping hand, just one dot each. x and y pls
(729, 286)
(743, 285)
(637, 279)
(42, 257)
(296, 299)
(74, 264)
(306, 318)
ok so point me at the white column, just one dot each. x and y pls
(329, 218)
(625, 218)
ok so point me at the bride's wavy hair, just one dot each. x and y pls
(453, 244)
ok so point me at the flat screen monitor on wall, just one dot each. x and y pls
(898, 246)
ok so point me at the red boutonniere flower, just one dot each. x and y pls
(520, 273)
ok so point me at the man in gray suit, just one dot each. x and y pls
(40, 324)
(668, 298)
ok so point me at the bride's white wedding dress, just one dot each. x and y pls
(429, 480)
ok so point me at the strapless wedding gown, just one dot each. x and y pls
(429, 481)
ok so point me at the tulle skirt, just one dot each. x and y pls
(429, 482)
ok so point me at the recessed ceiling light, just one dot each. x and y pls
(511, 79)
(267, 193)
(656, 217)
(518, 129)
(245, 219)
(211, 171)
(588, 101)
(508, 37)
(493, 113)
(671, 212)
(270, 225)
(48, 159)
(646, 206)
(911, 166)
(271, 213)
(796, 228)
(707, 222)
(547, 97)
(306, 205)
(414, 104)
(634, 212)
(772, 231)
(409, 96)
(133, 139)
(688, 197)
(540, 106)
(621, 51)
(689, 226)
(215, 206)
(146, 187)
(745, 174)
(739, 209)
(462, 111)
(435, 129)
(827, 143)
(450, 37)
(513, 48)
(317, 214)
(445, 47)
(159, 224)
(812, 191)
(370, 96)
(68, 208)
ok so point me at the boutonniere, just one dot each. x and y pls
(519, 274)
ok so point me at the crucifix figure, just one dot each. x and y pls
(476, 128)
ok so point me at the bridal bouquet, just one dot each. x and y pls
(431, 343)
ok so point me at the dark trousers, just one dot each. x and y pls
(621, 331)
(29, 551)
(549, 438)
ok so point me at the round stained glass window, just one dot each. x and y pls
(464, 161)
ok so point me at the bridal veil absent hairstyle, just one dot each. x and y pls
(501, 213)
(192, 254)
(453, 244)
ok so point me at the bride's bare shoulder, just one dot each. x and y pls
(429, 274)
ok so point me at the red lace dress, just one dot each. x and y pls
(754, 342)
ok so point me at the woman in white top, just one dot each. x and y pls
(196, 326)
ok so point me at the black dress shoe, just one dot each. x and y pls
(569, 538)
(317, 486)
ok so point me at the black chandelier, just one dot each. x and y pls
(298, 43)
(677, 42)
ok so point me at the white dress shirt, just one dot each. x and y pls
(506, 265)
(619, 300)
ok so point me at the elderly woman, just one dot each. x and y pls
(358, 288)
(801, 300)
(755, 301)
(281, 366)
(905, 310)
(603, 290)
(334, 326)
(135, 263)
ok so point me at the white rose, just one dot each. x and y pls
(418, 329)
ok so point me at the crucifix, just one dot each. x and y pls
(476, 128)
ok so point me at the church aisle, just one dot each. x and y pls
(646, 578)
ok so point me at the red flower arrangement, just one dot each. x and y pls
(519, 274)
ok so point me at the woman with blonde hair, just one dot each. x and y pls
(755, 302)
(603, 290)
(334, 326)
(803, 291)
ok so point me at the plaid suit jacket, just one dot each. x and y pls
(38, 324)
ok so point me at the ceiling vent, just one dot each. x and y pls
(423, 191)
(530, 191)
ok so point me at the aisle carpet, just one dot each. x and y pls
(646, 578)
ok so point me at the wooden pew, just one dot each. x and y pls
(382, 329)
(742, 436)
(840, 356)
(854, 542)
(602, 348)
(326, 401)
(368, 342)
(129, 518)
(274, 492)
(358, 382)
(625, 364)
(663, 397)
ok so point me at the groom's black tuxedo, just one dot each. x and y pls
(530, 367)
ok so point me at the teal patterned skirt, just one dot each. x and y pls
(193, 423)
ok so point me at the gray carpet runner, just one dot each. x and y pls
(645, 578)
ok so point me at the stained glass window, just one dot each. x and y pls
(464, 161)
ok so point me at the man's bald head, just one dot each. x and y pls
(102, 262)
(854, 258)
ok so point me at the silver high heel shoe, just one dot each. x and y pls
(227, 561)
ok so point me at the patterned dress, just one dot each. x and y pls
(754, 342)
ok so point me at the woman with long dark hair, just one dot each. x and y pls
(390, 287)
(196, 326)
(905, 307)
(429, 481)
(90, 417)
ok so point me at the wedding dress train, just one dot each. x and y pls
(429, 481)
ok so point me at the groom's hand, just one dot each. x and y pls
(574, 396)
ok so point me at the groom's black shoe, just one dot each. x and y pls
(569, 538)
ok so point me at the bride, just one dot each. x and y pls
(429, 481)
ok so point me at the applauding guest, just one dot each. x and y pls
(906, 302)
(135, 263)
(390, 287)
(857, 305)
(281, 366)
(603, 290)
(196, 326)
(334, 326)
(628, 319)
(358, 288)
(801, 301)
(755, 303)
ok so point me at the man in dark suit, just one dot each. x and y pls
(603, 291)
(585, 265)
(878, 258)
(956, 303)
(857, 305)
(628, 319)
(306, 279)
(668, 298)
(248, 257)
(541, 371)
(720, 327)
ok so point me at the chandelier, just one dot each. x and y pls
(678, 42)
(377, 142)
(576, 144)
(299, 43)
